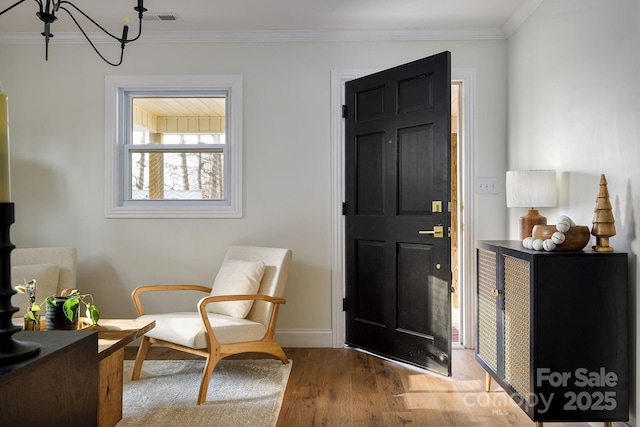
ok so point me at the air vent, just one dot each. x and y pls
(162, 16)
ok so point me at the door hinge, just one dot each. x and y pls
(344, 111)
(344, 208)
(344, 304)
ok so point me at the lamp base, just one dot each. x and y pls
(528, 221)
(14, 351)
(11, 350)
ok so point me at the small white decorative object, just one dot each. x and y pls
(564, 217)
(563, 225)
(528, 243)
(538, 245)
(548, 245)
(558, 237)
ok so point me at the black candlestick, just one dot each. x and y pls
(11, 350)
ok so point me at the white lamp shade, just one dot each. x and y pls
(531, 189)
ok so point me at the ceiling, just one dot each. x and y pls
(262, 15)
(182, 107)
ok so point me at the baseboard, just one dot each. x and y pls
(309, 338)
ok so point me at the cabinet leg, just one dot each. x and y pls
(608, 424)
(487, 383)
(538, 424)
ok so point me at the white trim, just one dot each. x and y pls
(114, 206)
(292, 338)
(269, 36)
(338, 78)
(519, 16)
(466, 173)
(304, 338)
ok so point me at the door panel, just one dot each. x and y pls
(413, 288)
(371, 104)
(397, 162)
(415, 157)
(370, 304)
(370, 178)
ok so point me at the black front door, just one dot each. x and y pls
(398, 185)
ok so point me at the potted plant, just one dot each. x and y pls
(62, 311)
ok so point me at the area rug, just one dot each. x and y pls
(241, 393)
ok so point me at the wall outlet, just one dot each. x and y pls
(487, 185)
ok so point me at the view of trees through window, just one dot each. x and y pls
(176, 152)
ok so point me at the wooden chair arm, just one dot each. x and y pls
(256, 297)
(135, 295)
(202, 308)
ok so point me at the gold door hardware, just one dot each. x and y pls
(436, 206)
(438, 266)
(437, 232)
(495, 292)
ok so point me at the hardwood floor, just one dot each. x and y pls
(345, 387)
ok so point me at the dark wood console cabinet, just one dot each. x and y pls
(553, 330)
(56, 388)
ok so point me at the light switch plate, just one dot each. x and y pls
(487, 185)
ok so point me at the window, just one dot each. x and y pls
(174, 146)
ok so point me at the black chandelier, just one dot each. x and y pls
(47, 14)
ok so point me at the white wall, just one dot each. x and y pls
(57, 136)
(573, 106)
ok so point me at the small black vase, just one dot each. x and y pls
(55, 318)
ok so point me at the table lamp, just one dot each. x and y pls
(531, 189)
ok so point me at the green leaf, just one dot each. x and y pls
(35, 307)
(93, 313)
(70, 308)
(50, 301)
(31, 316)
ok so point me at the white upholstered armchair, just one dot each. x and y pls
(237, 316)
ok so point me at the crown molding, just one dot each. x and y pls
(270, 36)
(519, 16)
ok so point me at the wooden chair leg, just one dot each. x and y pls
(142, 354)
(487, 382)
(277, 351)
(209, 366)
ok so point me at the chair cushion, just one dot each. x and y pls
(236, 277)
(46, 276)
(186, 329)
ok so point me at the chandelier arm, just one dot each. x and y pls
(93, 45)
(139, 32)
(86, 16)
(14, 5)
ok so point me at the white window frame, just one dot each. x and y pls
(118, 130)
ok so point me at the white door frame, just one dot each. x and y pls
(465, 182)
